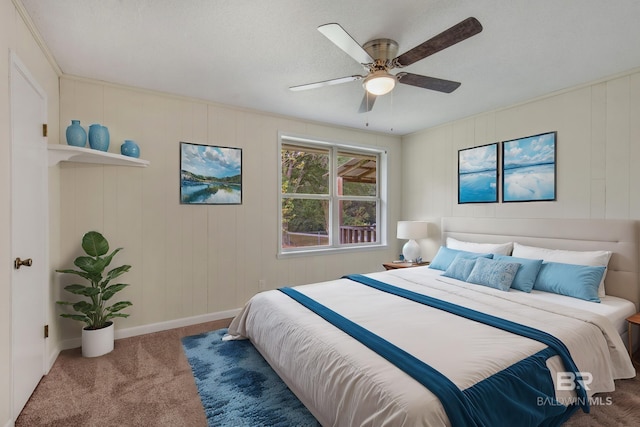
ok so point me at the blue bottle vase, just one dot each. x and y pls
(76, 135)
(130, 148)
(99, 137)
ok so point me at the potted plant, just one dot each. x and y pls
(97, 335)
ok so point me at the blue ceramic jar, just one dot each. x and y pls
(99, 137)
(76, 135)
(130, 148)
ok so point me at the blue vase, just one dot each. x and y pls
(99, 137)
(130, 148)
(76, 135)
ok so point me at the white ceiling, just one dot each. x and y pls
(247, 53)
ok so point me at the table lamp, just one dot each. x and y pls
(412, 230)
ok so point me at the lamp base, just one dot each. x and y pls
(411, 251)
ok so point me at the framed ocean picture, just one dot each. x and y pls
(478, 174)
(210, 175)
(529, 168)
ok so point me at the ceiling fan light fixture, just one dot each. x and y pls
(379, 82)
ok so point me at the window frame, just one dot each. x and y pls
(333, 199)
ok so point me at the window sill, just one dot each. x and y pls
(330, 251)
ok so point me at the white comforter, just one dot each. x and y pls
(343, 383)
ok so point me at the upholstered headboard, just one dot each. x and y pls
(618, 236)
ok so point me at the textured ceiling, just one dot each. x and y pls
(247, 53)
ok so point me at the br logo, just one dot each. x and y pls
(573, 380)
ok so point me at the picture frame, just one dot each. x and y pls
(210, 174)
(478, 174)
(529, 168)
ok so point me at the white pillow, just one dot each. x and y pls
(591, 258)
(480, 248)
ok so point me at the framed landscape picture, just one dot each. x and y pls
(478, 174)
(529, 168)
(210, 175)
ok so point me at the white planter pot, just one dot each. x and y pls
(96, 342)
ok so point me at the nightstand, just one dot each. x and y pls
(396, 265)
(632, 320)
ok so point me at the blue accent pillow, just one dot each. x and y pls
(494, 274)
(445, 257)
(572, 280)
(460, 268)
(527, 273)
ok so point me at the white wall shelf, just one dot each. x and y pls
(68, 153)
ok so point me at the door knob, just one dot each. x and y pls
(20, 262)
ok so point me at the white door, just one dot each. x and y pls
(29, 228)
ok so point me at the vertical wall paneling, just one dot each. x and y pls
(598, 132)
(201, 249)
(189, 260)
(574, 147)
(634, 145)
(200, 260)
(598, 167)
(617, 186)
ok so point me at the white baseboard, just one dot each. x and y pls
(10, 423)
(154, 327)
(53, 355)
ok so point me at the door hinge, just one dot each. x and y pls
(44, 129)
(46, 331)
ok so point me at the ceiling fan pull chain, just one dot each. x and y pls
(366, 93)
(392, 112)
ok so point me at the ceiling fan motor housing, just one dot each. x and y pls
(382, 50)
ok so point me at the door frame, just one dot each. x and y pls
(17, 66)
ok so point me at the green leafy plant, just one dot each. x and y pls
(94, 311)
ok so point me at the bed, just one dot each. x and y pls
(499, 374)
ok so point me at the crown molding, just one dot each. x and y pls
(36, 35)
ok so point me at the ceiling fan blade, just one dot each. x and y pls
(367, 102)
(459, 32)
(344, 41)
(432, 83)
(326, 83)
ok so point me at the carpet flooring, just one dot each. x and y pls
(620, 408)
(147, 381)
(238, 387)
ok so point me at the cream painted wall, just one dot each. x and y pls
(192, 260)
(15, 37)
(598, 153)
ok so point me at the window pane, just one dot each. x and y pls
(358, 222)
(305, 222)
(304, 170)
(357, 174)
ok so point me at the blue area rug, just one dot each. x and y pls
(238, 387)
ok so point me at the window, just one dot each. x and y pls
(330, 195)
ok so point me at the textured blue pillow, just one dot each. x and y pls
(578, 281)
(494, 274)
(460, 267)
(445, 257)
(527, 273)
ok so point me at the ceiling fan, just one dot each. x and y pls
(379, 56)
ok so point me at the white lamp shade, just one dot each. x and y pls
(412, 230)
